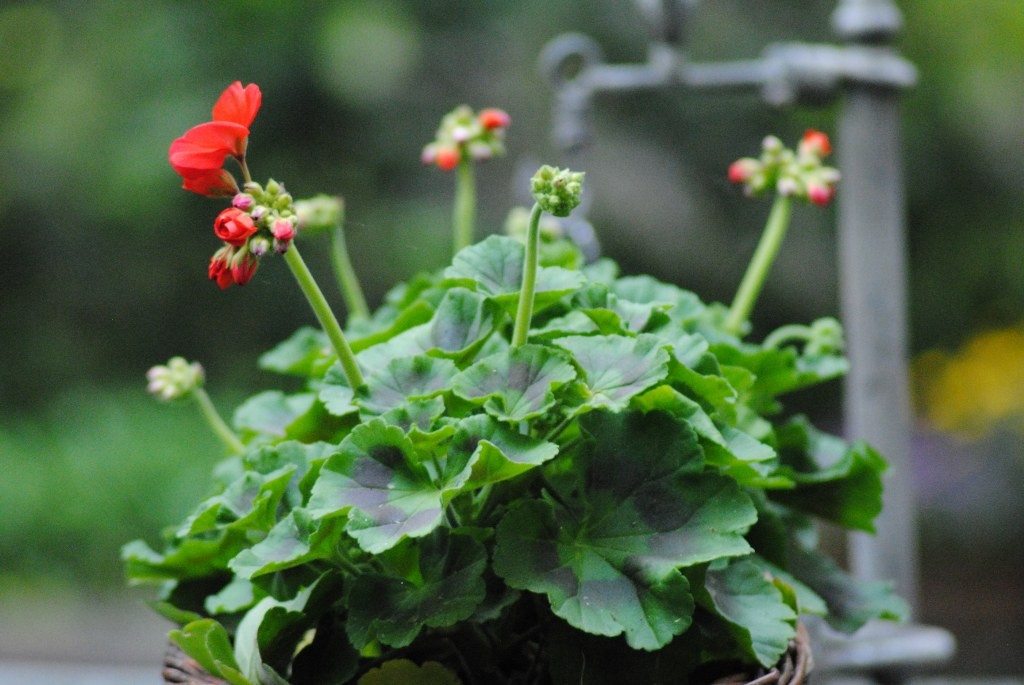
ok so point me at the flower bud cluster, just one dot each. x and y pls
(270, 208)
(799, 174)
(176, 380)
(318, 213)
(465, 134)
(557, 191)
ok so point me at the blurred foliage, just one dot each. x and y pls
(104, 256)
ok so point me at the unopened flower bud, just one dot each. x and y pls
(820, 193)
(493, 118)
(742, 170)
(258, 212)
(253, 188)
(814, 143)
(243, 266)
(273, 188)
(176, 380)
(557, 191)
(771, 144)
(243, 201)
(460, 134)
(447, 158)
(283, 229)
(318, 212)
(787, 186)
(259, 246)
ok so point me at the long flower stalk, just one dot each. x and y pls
(524, 311)
(325, 316)
(348, 281)
(760, 264)
(464, 214)
(219, 426)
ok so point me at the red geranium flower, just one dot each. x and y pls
(243, 267)
(234, 226)
(198, 156)
(492, 118)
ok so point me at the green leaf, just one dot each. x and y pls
(208, 643)
(335, 392)
(407, 378)
(838, 482)
(189, 558)
(615, 367)
(378, 480)
(417, 313)
(851, 602)
(250, 503)
(497, 452)
(295, 540)
(494, 267)
(778, 371)
(299, 354)
(443, 586)
(754, 608)
(329, 659)
(303, 457)
(405, 672)
(609, 564)
(751, 462)
(517, 384)
(237, 595)
(464, 321)
(272, 412)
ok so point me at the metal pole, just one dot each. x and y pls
(872, 264)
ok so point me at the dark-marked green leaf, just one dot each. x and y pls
(537, 551)
(299, 354)
(417, 414)
(463, 322)
(836, 481)
(610, 566)
(378, 480)
(517, 384)
(497, 452)
(755, 609)
(444, 587)
(615, 367)
(335, 392)
(404, 379)
(405, 672)
(295, 540)
(250, 503)
(751, 462)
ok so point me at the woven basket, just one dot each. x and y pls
(793, 669)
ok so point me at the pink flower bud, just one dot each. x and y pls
(243, 202)
(820, 194)
(283, 230)
(742, 170)
(243, 266)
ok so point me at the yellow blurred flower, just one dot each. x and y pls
(976, 389)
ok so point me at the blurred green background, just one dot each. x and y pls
(103, 256)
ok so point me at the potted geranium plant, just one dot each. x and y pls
(522, 468)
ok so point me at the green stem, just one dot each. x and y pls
(465, 204)
(326, 317)
(245, 169)
(793, 331)
(760, 265)
(348, 281)
(524, 312)
(220, 428)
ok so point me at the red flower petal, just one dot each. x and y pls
(211, 183)
(205, 146)
(237, 104)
